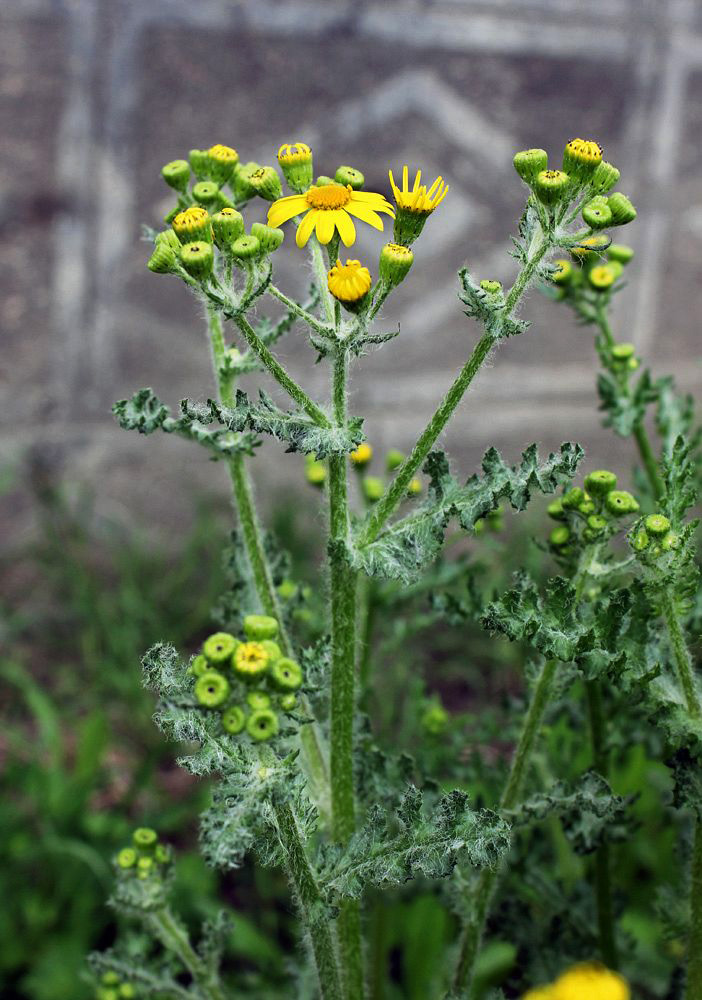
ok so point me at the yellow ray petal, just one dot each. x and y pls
(370, 198)
(285, 208)
(304, 230)
(347, 230)
(325, 225)
(366, 214)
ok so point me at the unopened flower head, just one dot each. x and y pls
(414, 205)
(602, 277)
(395, 262)
(223, 160)
(530, 162)
(349, 283)
(593, 246)
(328, 209)
(295, 161)
(250, 659)
(362, 455)
(597, 213)
(177, 175)
(197, 258)
(581, 158)
(193, 224)
(563, 272)
(551, 186)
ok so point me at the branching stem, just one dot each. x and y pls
(174, 937)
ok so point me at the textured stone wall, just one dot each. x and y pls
(95, 96)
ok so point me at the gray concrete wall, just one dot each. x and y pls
(95, 97)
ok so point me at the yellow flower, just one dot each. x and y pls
(329, 208)
(540, 993)
(418, 199)
(349, 282)
(250, 658)
(297, 152)
(590, 982)
(362, 455)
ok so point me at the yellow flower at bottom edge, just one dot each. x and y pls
(590, 981)
(330, 208)
(349, 282)
(540, 993)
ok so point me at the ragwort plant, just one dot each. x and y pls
(277, 720)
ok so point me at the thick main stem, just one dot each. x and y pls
(397, 490)
(343, 585)
(312, 908)
(602, 873)
(485, 886)
(174, 937)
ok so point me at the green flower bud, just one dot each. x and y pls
(211, 689)
(163, 854)
(586, 507)
(145, 838)
(555, 510)
(110, 978)
(205, 193)
(218, 648)
(600, 482)
(264, 182)
(492, 288)
(657, 525)
(620, 253)
(245, 248)
(287, 674)
(163, 260)
(260, 627)
(233, 719)
(316, 473)
(621, 208)
(573, 498)
(287, 590)
(633, 364)
(602, 277)
(106, 993)
(640, 541)
(145, 867)
(597, 214)
(127, 991)
(414, 487)
(616, 268)
(193, 224)
(394, 459)
(296, 163)
(324, 181)
(395, 262)
(268, 237)
(350, 177)
(127, 858)
(435, 719)
(373, 488)
(604, 178)
(227, 226)
(272, 649)
(262, 725)
(197, 259)
(176, 174)
(200, 163)
(198, 666)
(622, 352)
(258, 700)
(581, 158)
(551, 186)
(529, 163)
(596, 523)
(250, 660)
(288, 702)
(620, 503)
(563, 273)
(222, 162)
(670, 541)
(169, 238)
(560, 536)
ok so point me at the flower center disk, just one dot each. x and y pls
(329, 197)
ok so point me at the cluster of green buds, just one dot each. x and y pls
(146, 857)
(593, 272)
(653, 537)
(434, 718)
(247, 680)
(591, 514)
(206, 224)
(114, 987)
(373, 487)
(583, 177)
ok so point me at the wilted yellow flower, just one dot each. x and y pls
(330, 208)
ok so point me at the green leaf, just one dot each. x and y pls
(293, 428)
(406, 546)
(687, 778)
(392, 850)
(625, 406)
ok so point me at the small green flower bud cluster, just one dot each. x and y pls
(654, 537)
(145, 858)
(434, 719)
(247, 680)
(372, 487)
(590, 514)
(113, 987)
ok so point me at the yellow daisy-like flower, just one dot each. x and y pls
(590, 982)
(414, 205)
(349, 282)
(330, 208)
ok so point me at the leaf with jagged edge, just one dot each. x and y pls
(488, 309)
(675, 416)
(403, 548)
(625, 409)
(292, 427)
(588, 812)
(390, 850)
(146, 413)
(680, 481)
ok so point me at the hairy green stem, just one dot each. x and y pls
(473, 930)
(320, 271)
(681, 654)
(602, 872)
(297, 309)
(397, 490)
(312, 907)
(174, 937)
(296, 392)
